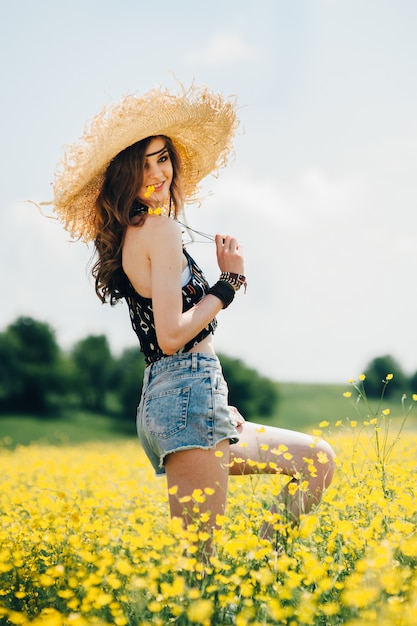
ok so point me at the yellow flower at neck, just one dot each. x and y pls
(149, 190)
(156, 211)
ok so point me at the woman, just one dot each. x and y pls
(124, 186)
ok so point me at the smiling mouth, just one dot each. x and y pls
(150, 189)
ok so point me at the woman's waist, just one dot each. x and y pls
(192, 362)
(205, 346)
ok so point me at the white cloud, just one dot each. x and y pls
(221, 49)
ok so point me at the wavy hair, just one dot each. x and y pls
(122, 182)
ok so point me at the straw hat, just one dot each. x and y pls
(200, 123)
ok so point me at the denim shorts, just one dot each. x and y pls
(184, 405)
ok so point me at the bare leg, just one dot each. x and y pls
(204, 470)
(306, 460)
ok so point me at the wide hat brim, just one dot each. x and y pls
(200, 123)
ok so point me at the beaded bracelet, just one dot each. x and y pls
(224, 291)
(236, 280)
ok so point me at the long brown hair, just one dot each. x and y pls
(122, 182)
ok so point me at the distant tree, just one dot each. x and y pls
(127, 381)
(31, 371)
(377, 371)
(413, 383)
(255, 396)
(94, 365)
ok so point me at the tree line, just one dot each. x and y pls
(38, 378)
(376, 378)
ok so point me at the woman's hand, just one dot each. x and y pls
(236, 418)
(229, 255)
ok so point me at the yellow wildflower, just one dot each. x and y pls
(149, 190)
(200, 612)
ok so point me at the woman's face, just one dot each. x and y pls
(157, 173)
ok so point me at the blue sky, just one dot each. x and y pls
(322, 192)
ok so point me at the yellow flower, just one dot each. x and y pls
(347, 394)
(200, 612)
(386, 412)
(174, 589)
(102, 600)
(156, 211)
(360, 597)
(323, 424)
(124, 567)
(149, 190)
(155, 607)
(17, 618)
(198, 496)
(389, 376)
(362, 377)
(322, 457)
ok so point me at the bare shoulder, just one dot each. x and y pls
(155, 227)
(156, 236)
(161, 226)
(153, 244)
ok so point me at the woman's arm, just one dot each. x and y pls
(164, 250)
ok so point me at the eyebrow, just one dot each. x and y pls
(157, 152)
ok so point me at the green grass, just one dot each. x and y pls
(76, 428)
(306, 405)
(302, 407)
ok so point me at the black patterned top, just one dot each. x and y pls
(142, 318)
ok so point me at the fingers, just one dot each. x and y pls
(226, 242)
(237, 418)
(229, 254)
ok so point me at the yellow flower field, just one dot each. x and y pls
(85, 538)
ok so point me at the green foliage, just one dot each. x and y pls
(376, 372)
(37, 378)
(255, 396)
(413, 383)
(127, 379)
(31, 367)
(94, 369)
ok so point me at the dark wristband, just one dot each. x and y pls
(224, 291)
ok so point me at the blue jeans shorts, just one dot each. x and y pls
(184, 405)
